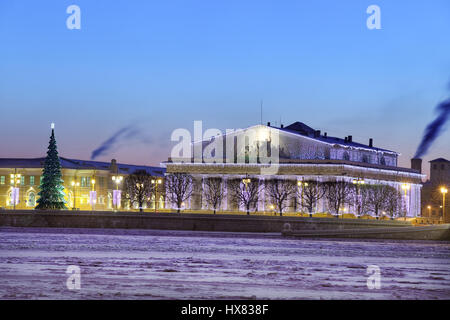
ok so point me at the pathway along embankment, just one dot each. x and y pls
(201, 222)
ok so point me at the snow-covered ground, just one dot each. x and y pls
(149, 264)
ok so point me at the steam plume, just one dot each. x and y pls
(434, 129)
(124, 134)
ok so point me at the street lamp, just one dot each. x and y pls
(358, 182)
(272, 207)
(302, 184)
(444, 191)
(116, 193)
(74, 188)
(429, 211)
(246, 181)
(406, 187)
(156, 182)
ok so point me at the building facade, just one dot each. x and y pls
(297, 153)
(432, 196)
(80, 178)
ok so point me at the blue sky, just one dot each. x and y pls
(164, 64)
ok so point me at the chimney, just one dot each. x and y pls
(113, 167)
(282, 126)
(350, 138)
(325, 135)
(416, 164)
(317, 134)
(345, 139)
(371, 142)
(268, 124)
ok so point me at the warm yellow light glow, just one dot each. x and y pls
(93, 181)
(263, 134)
(159, 181)
(429, 207)
(444, 190)
(406, 186)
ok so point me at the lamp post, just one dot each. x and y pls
(429, 211)
(116, 193)
(246, 181)
(405, 188)
(358, 182)
(156, 182)
(444, 191)
(272, 207)
(74, 188)
(15, 179)
(302, 184)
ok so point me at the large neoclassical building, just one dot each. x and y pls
(296, 152)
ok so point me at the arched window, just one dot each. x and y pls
(382, 161)
(31, 199)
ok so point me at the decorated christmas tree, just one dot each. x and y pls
(51, 194)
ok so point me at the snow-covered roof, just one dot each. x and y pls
(299, 128)
(78, 165)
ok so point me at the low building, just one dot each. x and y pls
(302, 154)
(79, 176)
(432, 197)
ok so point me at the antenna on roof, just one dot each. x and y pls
(261, 110)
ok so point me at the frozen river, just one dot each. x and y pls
(150, 264)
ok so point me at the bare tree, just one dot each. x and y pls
(310, 193)
(361, 200)
(338, 194)
(245, 194)
(178, 188)
(393, 202)
(279, 191)
(378, 195)
(137, 188)
(213, 192)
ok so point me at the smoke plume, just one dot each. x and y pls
(434, 129)
(125, 134)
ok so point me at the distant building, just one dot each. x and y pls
(431, 193)
(79, 176)
(304, 154)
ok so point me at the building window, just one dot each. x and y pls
(32, 180)
(31, 200)
(346, 156)
(442, 166)
(2, 180)
(22, 180)
(434, 166)
(85, 181)
(383, 161)
(365, 159)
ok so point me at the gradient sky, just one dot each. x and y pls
(163, 64)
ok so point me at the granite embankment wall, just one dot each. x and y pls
(183, 221)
